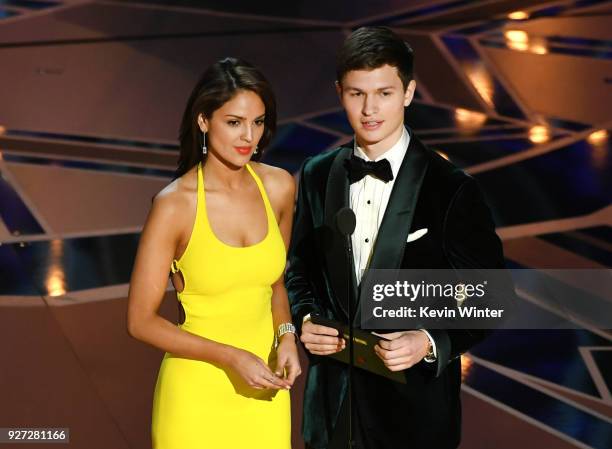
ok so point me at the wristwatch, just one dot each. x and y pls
(431, 355)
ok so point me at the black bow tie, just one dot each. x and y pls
(358, 168)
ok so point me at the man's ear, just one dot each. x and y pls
(339, 90)
(409, 94)
(202, 123)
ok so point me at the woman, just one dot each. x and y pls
(223, 228)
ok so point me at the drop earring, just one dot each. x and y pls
(204, 149)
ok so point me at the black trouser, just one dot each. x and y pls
(339, 439)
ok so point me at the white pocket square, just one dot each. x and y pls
(416, 235)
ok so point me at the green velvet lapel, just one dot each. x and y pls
(337, 197)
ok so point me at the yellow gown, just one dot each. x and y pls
(226, 298)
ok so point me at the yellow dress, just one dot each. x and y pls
(226, 298)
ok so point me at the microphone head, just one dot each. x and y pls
(346, 221)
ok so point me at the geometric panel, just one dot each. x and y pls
(103, 201)
(578, 244)
(509, 432)
(4, 233)
(434, 70)
(122, 370)
(338, 10)
(15, 214)
(522, 350)
(482, 77)
(559, 415)
(15, 278)
(121, 21)
(568, 87)
(60, 266)
(44, 384)
(588, 27)
(603, 360)
(293, 143)
(138, 89)
(571, 181)
(465, 154)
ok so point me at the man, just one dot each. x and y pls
(414, 210)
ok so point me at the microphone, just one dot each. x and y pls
(345, 224)
(346, 221)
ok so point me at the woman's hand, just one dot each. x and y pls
(288, 360)
(254, 371)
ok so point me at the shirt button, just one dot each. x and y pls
(369, 201)
(367, 240)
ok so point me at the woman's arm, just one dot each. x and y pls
(156, 250)
(287, 350)
(285, 188)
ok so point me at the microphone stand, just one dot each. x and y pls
(351, 316)
(345, 224)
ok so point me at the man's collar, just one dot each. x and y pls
(395, 154)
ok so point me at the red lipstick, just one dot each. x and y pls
(243, 150)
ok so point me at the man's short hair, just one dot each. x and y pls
(369, 48)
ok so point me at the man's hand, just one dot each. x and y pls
(402, 350)
(321, 340)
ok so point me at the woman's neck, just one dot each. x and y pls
(224, 175)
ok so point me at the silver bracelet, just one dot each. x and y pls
(284, 328)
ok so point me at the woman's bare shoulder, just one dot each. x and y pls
(275, 179)
(176, 196)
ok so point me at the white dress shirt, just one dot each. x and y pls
(369, 198)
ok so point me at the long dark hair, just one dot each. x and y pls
(218, 84)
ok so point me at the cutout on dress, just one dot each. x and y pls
(181, 312)
(178, 281)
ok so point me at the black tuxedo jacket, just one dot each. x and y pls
(431, 193)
